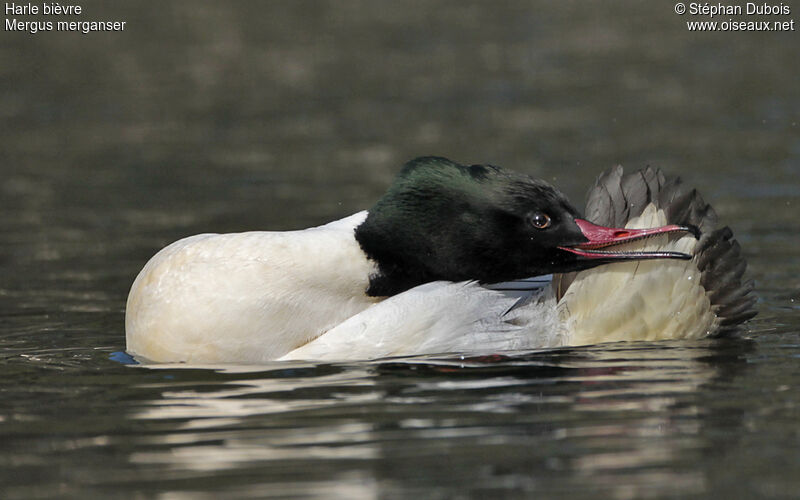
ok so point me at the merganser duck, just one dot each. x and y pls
(452, 259)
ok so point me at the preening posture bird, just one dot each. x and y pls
(452, 259)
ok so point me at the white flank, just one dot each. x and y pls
(438, 317)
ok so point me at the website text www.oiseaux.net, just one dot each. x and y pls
(764, 11)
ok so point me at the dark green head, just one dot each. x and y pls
(443, 221)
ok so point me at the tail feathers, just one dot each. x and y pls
(616, 198)
(722, 266)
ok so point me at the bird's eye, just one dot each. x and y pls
(540, 221)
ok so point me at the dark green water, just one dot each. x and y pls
(227, 116)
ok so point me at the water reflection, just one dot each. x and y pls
(624, 419)
(211, 116)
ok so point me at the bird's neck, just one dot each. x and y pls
(390, 280)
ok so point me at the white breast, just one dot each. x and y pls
(248, 297)
(643, 300)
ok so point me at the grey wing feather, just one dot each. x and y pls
(525, 290)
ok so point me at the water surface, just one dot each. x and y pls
(218, 117)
